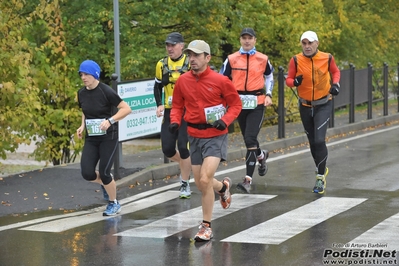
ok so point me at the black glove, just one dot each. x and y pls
(173, 128)
(219, 124)
(334, 90)
(298, 80)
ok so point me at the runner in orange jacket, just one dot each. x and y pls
(316, 77)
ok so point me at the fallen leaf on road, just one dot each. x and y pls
(45, 194)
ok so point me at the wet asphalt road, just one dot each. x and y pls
(279, 223)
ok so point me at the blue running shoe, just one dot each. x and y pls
(105, 194)
(113, 208)
(321, 183)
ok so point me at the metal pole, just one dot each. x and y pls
(386, 96)
(352, 94)
(117, 61)
(281, 115)
(370, 90)
(116, 40)
(117, 175)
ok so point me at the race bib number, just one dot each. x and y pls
(214, 113)
(249, 101)
(93, 127)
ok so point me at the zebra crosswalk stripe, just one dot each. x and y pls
(61, 225)
(189, 219)
(383, 235)
(274, 231)
(279, 229)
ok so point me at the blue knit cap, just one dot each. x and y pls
(90, 67)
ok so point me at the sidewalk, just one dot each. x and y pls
(133, 160)
(63, 188)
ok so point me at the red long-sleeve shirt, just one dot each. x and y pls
(193, 93)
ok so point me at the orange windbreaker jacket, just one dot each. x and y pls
(247, 72)
(319, 72)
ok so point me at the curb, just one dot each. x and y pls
(161, 171)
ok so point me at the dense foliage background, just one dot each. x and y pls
(42, 43)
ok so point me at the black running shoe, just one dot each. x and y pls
(262, 169)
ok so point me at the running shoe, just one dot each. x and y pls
(245, 186)
(325, 173)
(185, 191)
(204, 233)
(105, 194)
(321, 183)
(225, 198)
(262, 168)
(113, 208)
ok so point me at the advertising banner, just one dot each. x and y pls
(142, 121)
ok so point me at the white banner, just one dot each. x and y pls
(142, 121)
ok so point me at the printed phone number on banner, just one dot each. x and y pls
(147, 120)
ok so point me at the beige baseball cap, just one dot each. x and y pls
(198, 47)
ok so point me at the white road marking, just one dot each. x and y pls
(88, 212)
(175, 185)
(185, 220)
(42, 220)
(287, 225)
(384, 233)
(284, 156)
(73, 222)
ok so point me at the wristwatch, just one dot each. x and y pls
(268, 94)
(111, 120)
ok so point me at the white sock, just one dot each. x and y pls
(249, 178)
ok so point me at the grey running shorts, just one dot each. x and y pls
(201, 148)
